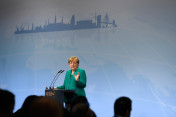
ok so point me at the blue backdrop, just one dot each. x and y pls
(130, 53)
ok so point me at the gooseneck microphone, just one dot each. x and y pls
(55, 78)
(58, 76)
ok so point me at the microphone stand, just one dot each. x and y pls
(58, 76)
(54, 79)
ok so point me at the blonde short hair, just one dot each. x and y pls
(73, 58)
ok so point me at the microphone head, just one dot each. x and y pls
(62, 71)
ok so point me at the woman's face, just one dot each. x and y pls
(73, 65)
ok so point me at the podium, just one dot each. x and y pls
(59, 94)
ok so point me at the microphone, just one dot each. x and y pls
(55, 78)
(59, 71)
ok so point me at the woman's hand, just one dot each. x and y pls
(77, 77)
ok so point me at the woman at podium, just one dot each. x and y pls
(75, 79)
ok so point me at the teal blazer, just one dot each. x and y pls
(71, 84)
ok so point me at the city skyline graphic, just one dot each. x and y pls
(100, 22)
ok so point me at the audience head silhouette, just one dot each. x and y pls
(46, 107)
(28, 101)
(7, 102)
(24, 110)
(82, 110)
(122, 107)
(80, 99)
